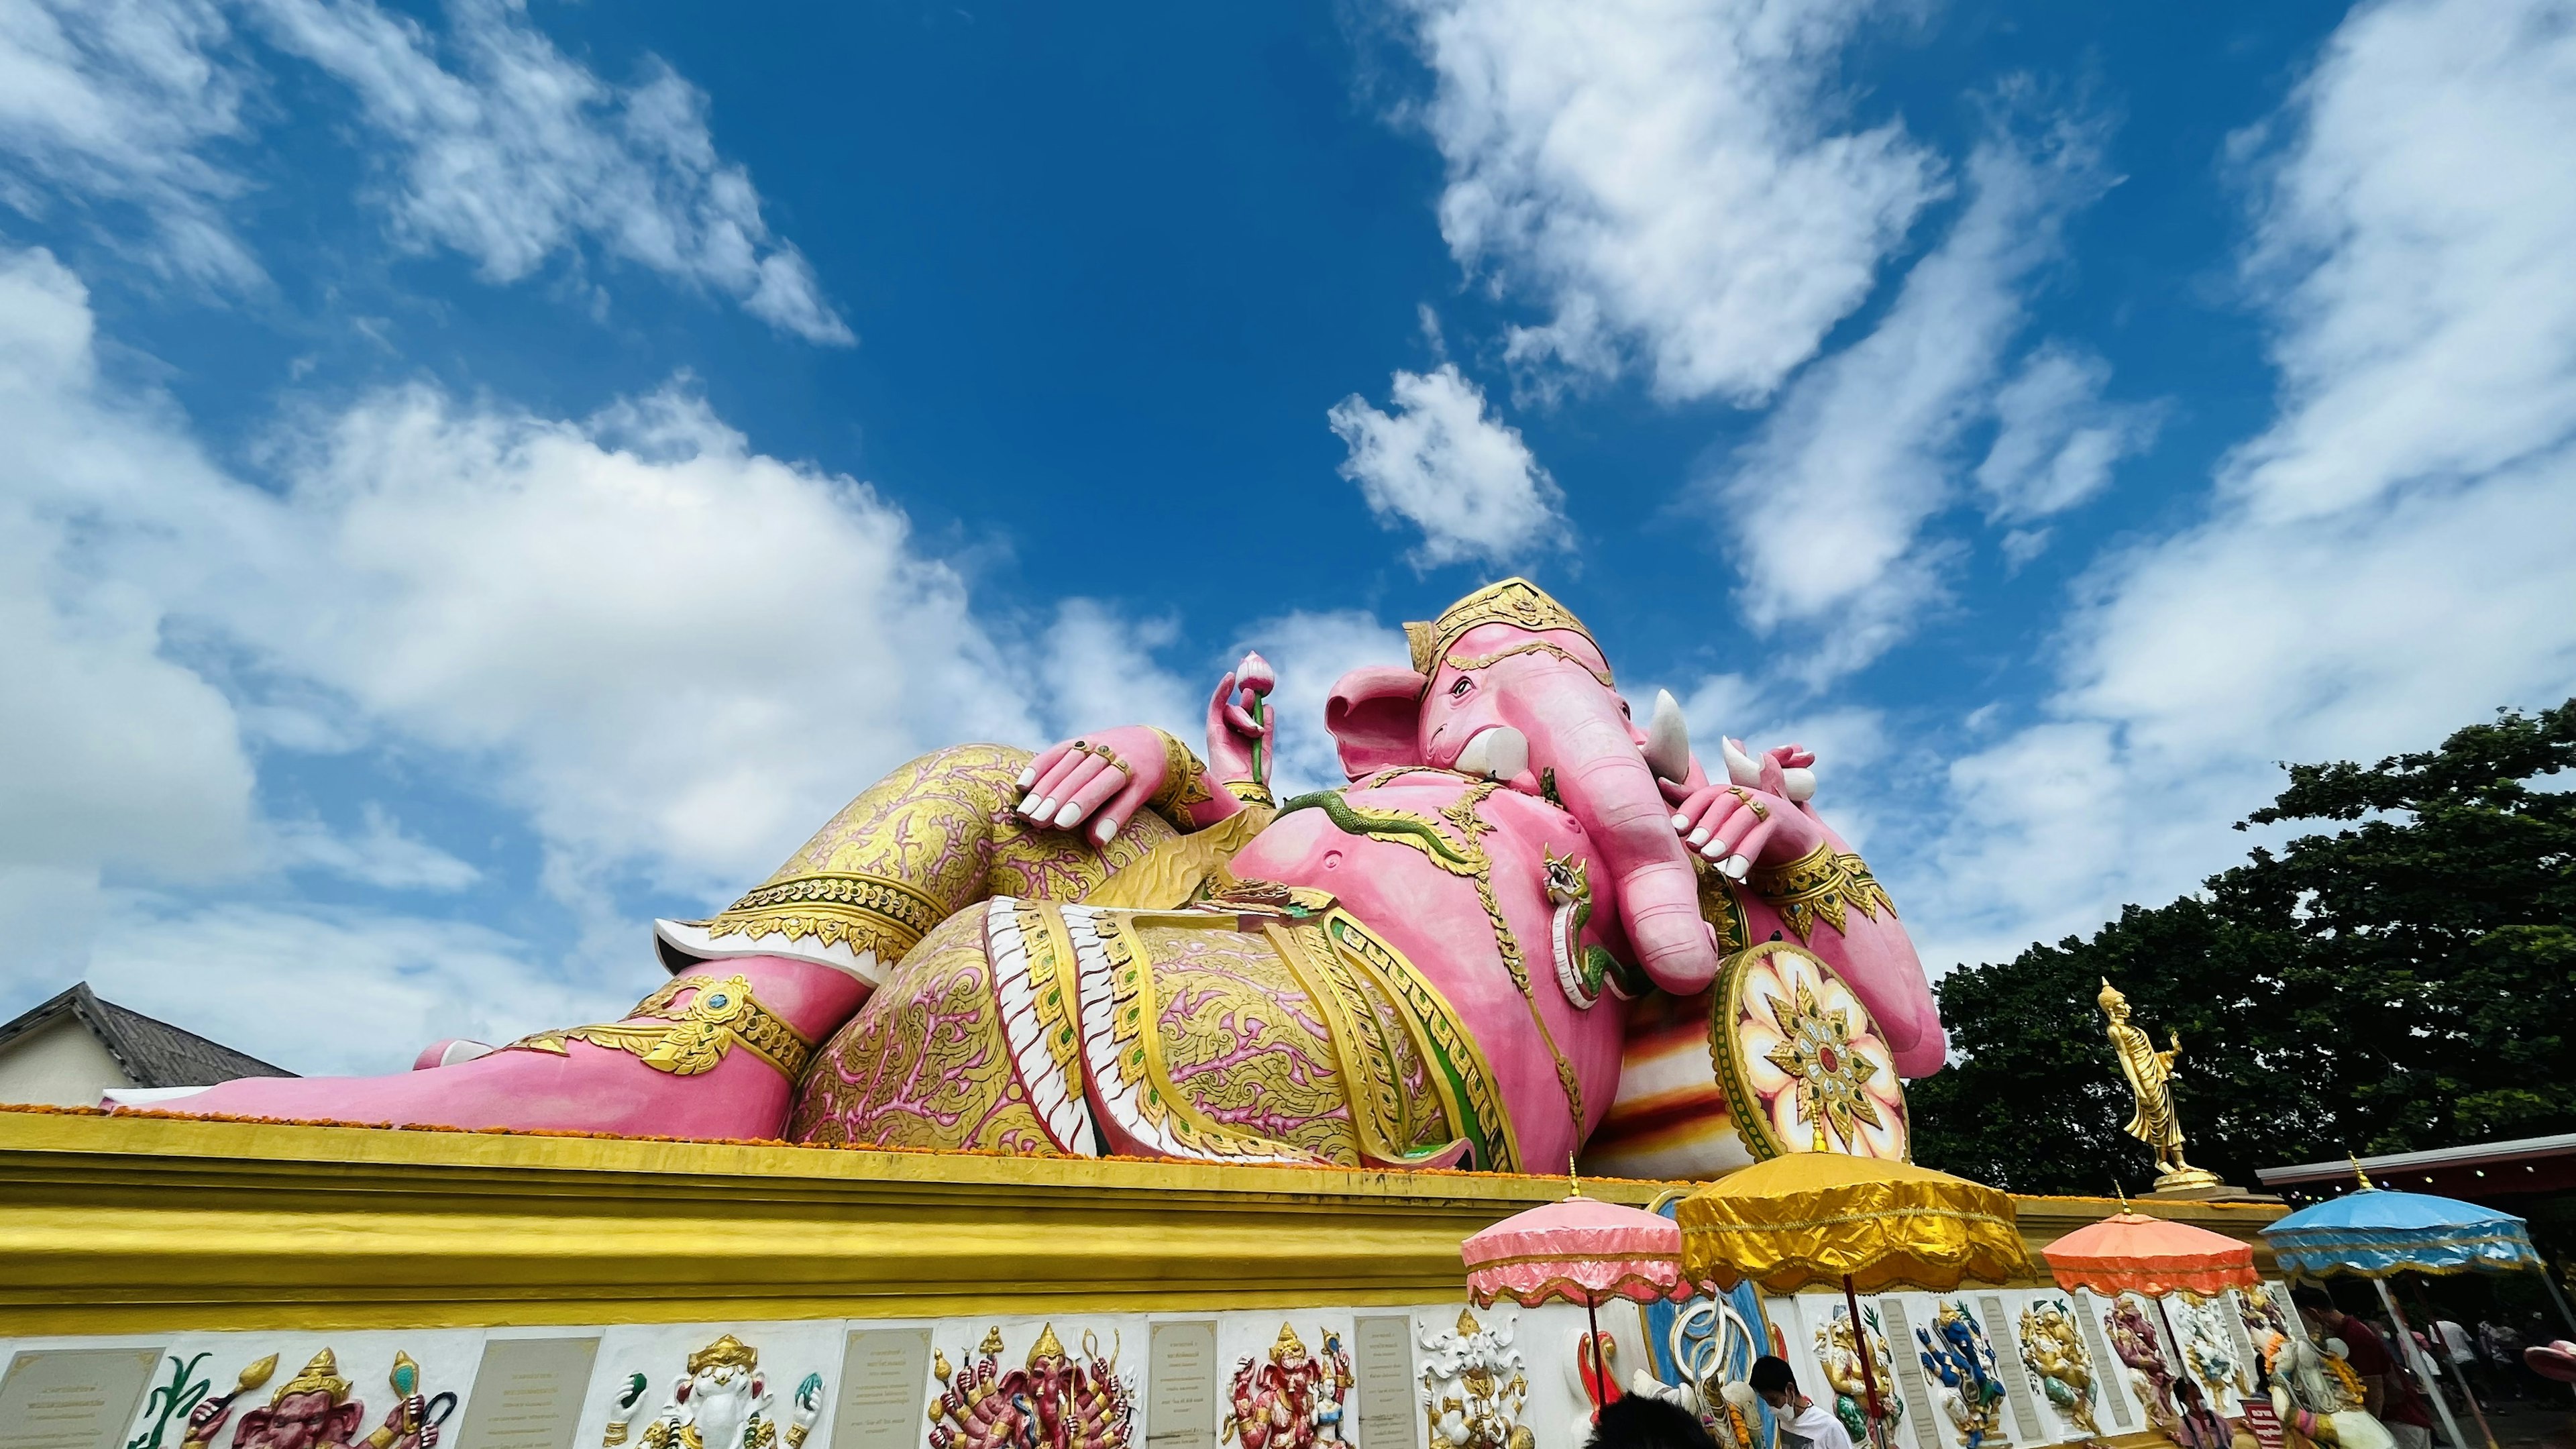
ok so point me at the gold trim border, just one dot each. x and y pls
(133, 1224)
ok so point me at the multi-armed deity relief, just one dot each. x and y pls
(1114, 946)
(1293, 1400)
(1474, 1386)
(721, 1401)
(1839, 1357)
(316, 1408)
(1053, 1400)
(2053, 1351)
(2142, 1352)
(1955, 1353)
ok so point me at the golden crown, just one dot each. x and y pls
(1048, 1346)
(321, 1376)
(725, 1352)
(2110, 996)
(1514, 601)
(1289, 1345)
(1467, 1325)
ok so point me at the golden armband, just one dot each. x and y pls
(1184, 785)
(1822, 884)
(723, 1015)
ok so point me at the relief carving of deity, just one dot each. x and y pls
(2055, 1355)
(1053, 1401)
(1840, 1359)
(1955, 1352)
(1295, 1400)
(1474, 1385)
(721, 1402)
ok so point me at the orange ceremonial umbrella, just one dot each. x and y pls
(2129, 1252)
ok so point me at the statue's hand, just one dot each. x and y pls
(207, 1419)
(1741, 826)
(1241, 725)
(1105, 777)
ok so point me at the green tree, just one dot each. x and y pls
(2401, 982)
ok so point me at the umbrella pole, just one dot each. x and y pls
(2467, 1390)
(1600, 1371)
(2423, 1371)
(2559, 1298)
(2173, 1340)
(1860, 1344)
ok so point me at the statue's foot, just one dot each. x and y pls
(715, 1053)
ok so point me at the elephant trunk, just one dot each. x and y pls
(1577, 728)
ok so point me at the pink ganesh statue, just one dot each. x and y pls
(1112, 947)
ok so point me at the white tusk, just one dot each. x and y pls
(1740, 767)
(1668, 739)
(1495, 754)
(1799, 785)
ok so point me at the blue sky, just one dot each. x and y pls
(480, 477)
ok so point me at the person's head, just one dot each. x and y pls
(2317, 1307)
(1772, 1379)
(1634, 1421)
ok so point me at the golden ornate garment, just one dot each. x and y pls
(2151, 1082)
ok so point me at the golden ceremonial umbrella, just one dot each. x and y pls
(1805, 1218)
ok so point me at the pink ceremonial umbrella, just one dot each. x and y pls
(1581, 1251)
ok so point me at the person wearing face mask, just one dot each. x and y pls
(1801, 1419)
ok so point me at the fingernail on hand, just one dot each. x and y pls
(1069, 814)
(1699, 836)
(1681, 822)
(1028, 777)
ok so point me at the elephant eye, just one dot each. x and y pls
(1461, 687)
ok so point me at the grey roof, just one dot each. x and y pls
(153, 1053)
(2514, 1150)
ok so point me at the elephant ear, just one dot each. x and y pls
(1375, 715)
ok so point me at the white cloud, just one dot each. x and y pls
(670, 649)
(1825, 507)
(381, 855)
(673, 655)
(118, 758)
(334, 992)
(2413, 247)
(518, 152)
(1312, 649)
(2383, 564)
(115, 104)
(503, 148)
(1441, 463)
(1098, 669)
(1674, 181)
(2056, 440)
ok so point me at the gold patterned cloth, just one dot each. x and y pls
(936, 835)
(1808, 1219)
(1264, 1024)
(685, 1039)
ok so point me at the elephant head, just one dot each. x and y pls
(1508, 685)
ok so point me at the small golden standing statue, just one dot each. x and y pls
(2150, 1075)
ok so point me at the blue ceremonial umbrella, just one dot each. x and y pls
(2376, 1234)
